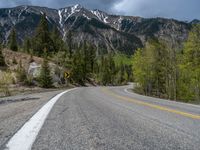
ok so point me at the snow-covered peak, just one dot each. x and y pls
(75, 8)
(65, 13)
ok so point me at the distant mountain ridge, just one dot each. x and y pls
(107, 32)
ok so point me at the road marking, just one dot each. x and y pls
(25, 137)
(185, 114)
(193, 105)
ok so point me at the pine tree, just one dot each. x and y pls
(105, 72)
(27, 45)
(57, 40)
(45, 79)
(78, 73)
(13, 40)
(85, 54)
(2, 59)
(69, 42)
(92, 56)
(42, 39)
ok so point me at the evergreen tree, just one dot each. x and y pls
(13, 40)
(57, 40)
(92, 57)
(69, 42)
(106, 75)
(78, 73)
(107, 71)
(2, 60)
(45, 79)
(27, 45)
(42, 39)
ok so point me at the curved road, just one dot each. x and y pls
(106, 118)
(112, 118)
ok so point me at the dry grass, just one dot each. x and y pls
(10, 56)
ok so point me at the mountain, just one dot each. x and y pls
(107, 32)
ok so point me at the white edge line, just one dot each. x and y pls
(126, 90)
(25, 137)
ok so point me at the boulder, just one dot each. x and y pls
(34, 69)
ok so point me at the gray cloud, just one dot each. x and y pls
(12, 3)
(179, 9)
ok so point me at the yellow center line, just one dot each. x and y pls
(185, 114)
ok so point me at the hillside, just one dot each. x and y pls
(31, 65)
(105, 31)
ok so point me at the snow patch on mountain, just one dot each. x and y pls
(119, 22)
(84, 15)
(25, 8)
(101, 16)
(75, 8)
(10, 17)
(60, 17)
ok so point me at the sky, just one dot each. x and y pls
(185, 10)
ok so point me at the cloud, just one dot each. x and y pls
(179, 9)
(12, 3)
(105, 5)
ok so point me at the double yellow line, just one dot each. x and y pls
(185, 114)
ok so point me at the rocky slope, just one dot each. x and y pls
(107, 32)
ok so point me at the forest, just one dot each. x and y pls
(83, 61)
(162, 70)
(159, 69)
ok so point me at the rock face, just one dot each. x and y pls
(107, 32)
(34, 69)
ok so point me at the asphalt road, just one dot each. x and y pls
(106, 118)
(17, 110)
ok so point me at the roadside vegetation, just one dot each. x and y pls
(83, 61)
(163, 71)
(159, 69)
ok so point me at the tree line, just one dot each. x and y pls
(162, 70)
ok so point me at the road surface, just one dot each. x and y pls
(106, 118)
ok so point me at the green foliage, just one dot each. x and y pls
(42, 39)
(190, 67)
(78, 67)
(45, 79)
(69, 42)
(150, 68)
(13, 40)
(159, 69)
(58, 43)
(27, 45)
(122, 59)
